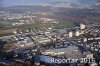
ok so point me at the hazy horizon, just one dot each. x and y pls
(4, 2)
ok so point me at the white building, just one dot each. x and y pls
(82, 26)
(77, 33)
(15, 32)
(70, 34)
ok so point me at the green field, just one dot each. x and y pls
(64, 25)
(39, 26)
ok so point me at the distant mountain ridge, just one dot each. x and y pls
(45, 1)
(52, 3)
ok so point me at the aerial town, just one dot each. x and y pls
(54, 33)
(39, 47)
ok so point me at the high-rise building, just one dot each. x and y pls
(77, 33)
(70, 34)
(82, 26)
